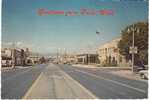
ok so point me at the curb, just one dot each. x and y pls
(7, 69)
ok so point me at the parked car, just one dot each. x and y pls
(6, 63)
(143, 74)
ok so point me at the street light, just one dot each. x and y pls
(133, 49)
(98, 33)
(13, 55)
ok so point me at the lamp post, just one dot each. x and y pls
(133, 49)
(57, 55)
(98, 33)
(13, 55)
(88, 56)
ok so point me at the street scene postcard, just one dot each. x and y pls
(74, 49)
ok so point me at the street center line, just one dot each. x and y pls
(67, 76)
(29, 91)
(116, 82)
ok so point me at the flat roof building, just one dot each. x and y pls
(109, 55)
(87, 58)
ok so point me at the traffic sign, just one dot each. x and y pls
(133, 50)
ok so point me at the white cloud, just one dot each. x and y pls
(18, 44)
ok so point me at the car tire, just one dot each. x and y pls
(143, 76)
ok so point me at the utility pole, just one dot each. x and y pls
(13, 55)
(133, 49)
(65, 56)
(58, 54)
(88, 55)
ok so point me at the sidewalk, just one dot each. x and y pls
(119, 71)
(6, 68)
(11, 68)
(96, 66)
(84, 66)
(53, 83)
(126, 73)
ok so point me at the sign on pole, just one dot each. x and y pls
(133, 50)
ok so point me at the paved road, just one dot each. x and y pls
(100, 83)
(15, 83)
(105, 85)
(54, 83)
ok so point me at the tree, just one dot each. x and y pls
(42, 60)
(141, 42)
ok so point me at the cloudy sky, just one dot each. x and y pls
(22, 25)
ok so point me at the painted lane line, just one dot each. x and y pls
(116, 82)
(78, 84)
(56, 76)
(31, 88)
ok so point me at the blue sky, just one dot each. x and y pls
(22, 24)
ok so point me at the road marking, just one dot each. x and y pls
(55, 76)
(31, 88)
(82, 87)
(116, 82)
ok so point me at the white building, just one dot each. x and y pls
(108, 53)
(6, 57)
(8, 54)
(33, 58)
(69, 58)
(87, 59)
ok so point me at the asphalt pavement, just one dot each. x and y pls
(66, 81)
(15, 83)
(54, 83)
(107, 86)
